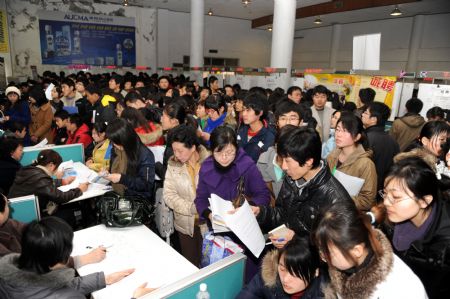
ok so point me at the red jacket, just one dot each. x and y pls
(81, 135)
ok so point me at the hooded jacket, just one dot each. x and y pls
(179, 194)
(258, 144)
(81, 135)
(360, 165)
(298, 206)
(56, 284)
(406, 129)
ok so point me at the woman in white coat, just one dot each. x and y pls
(180, 186)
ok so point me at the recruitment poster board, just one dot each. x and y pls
(349, 85)
(74, 38)
(434, 95)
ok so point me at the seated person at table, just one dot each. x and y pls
(20, 133)
(40, 270)
(132, 165)
(287, 273)
(37, 179)
(101, 153)
(78, 131)
(11, 151)
(61, 119)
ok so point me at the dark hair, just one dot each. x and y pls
(414, 105)
(134, 96)
(187, 135)
(176, 110)
(8, 146)
(38, 94)
(83, 81)
(221, 137)
(48, 156)
(306, 115)
(258, 103)
(321, 89)
(379, 110)
(216, 102)
(353, 124)
(94, 89)
(211, 80)
(76, 119)
(301, 144)
(292, 89)
(3, 201)
(62, 114)
(117, 78)
(416, 175)
(436, 112)
(121, 132)
(100, 127)
(341, 224)
(45, 243)
(135, 118)
(367, 95)
(17, 126)
(349, 106)
(68, 82)
(287, 106)
(301, 258)
(433, 128)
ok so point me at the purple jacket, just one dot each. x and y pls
(225, 185)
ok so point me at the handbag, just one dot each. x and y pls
(115, 210)
(241, 197)
(216, 248)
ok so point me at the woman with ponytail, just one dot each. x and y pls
(361, 263)
(421, 217)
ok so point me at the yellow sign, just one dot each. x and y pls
(3, 32)
(349, 85)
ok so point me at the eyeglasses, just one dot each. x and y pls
(392, 201)
(227, 154)
(288, 119)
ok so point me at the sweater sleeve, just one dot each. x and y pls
(88, 283)
(201, 199)
(256, 186)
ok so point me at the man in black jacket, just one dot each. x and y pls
(308, 186)
(100, 108)
(384, 147)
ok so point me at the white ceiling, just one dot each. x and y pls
(261, 8)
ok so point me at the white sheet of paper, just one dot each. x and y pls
(351, 183)
(41, 144)
(48, 92)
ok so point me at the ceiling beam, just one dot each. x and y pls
(331, 7)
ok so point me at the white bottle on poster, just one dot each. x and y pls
(76, 42)
(49, 39)
(119, 55)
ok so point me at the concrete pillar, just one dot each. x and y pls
(197, 37)
(414, 43)
(334, 49)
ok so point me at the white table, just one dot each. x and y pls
(136, 247)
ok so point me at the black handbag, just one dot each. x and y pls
(115, 210)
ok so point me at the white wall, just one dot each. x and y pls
(313, 50)
(233, 38)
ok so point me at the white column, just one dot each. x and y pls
(414, 43)
(197, 37)
(335, 39)
(283, 37)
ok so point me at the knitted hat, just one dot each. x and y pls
(12, 89)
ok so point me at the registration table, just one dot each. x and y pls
(154, 261)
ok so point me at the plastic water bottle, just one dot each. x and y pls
(203, 293)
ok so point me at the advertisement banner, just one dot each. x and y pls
(73, 38)
(3, 32)
(349, 85)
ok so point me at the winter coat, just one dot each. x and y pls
(8, 170)
(323, 126)
(60, 136)
(152, 138)
(41, 122)
(141, 183)
(179, 193)
(360, 165)
(34, 180)
(384, 149)
(429, 258)
(56, 284)
(298, 206)
(101, 156)
(406, 129)
(384, 277)
(10, 236)
(81, 135)
(70, 102)
(19, 113)
(267, 285)
(258, 144)
(100, 113)
(225, 185)
(267, 169)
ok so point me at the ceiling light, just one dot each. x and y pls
(269, 28)
(396, 12)
(125, 2)
(246, 2)
(210, 12)
(318, 21)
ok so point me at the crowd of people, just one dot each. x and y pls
(286, 151)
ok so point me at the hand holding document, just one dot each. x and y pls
(242, 223)
(351, 183)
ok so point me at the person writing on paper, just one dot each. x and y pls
(307, 188)
(420, 214)
(353, 158)
(132, 164)
(41, 116)
(180, 187)
(40, 270)
(287, 273)
(37, 179)
(101, 153)
(361, 263)
(221, 173)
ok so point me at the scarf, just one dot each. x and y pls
(119, 165)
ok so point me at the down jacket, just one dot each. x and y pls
(298, 206)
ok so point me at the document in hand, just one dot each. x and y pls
(351, 183)
(279, 232)
(242, 223)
